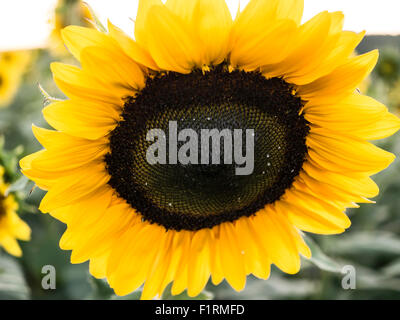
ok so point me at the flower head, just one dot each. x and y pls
(12, 228)
(191, 65)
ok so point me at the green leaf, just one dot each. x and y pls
(393, 269)
(18, 185)
(96, 23)
(12, 280)
(368, 242)
(47, 97)
(100, 289)
(370, 279)
(320, 259)
(9, 160)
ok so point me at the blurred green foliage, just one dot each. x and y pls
(371, 245)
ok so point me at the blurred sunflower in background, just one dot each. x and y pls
(388, 67)
(13, 65)
(12, 227)
(394, 96)
(67, 12)
(294, 84)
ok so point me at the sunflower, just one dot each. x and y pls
(294, 84)
(8, 87)
(11, 226)
(12, 67)
(388, 67)
(15, 59)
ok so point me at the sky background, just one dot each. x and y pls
(25, 23)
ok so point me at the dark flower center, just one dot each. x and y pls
(196, 195)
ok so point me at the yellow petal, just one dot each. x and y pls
(182, 8)
(346, 148)
(78, 38)
(309, 68)
(59, 141)
(141, 17)
(343, 80)
(314, 214)
(131, 48)
(343, 48)
(181, 273)
(255, 257)
(311, 41)
(177, 251)
(211, 21)
(11, 246)
(116, 69)
(172, 46)
(131, 258)
(217, 274)
(355, 182)
(82, 118)
(355, 107)
(386, 126)
(159, 268)
(231, 261)
(291, 9)
(98, 265)
(295, 235)
(329, 191)
(77, 84)
(89, 179)
(278, 241)
(20, 228)
(199, 262)
(264, 13)
(266, 47)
